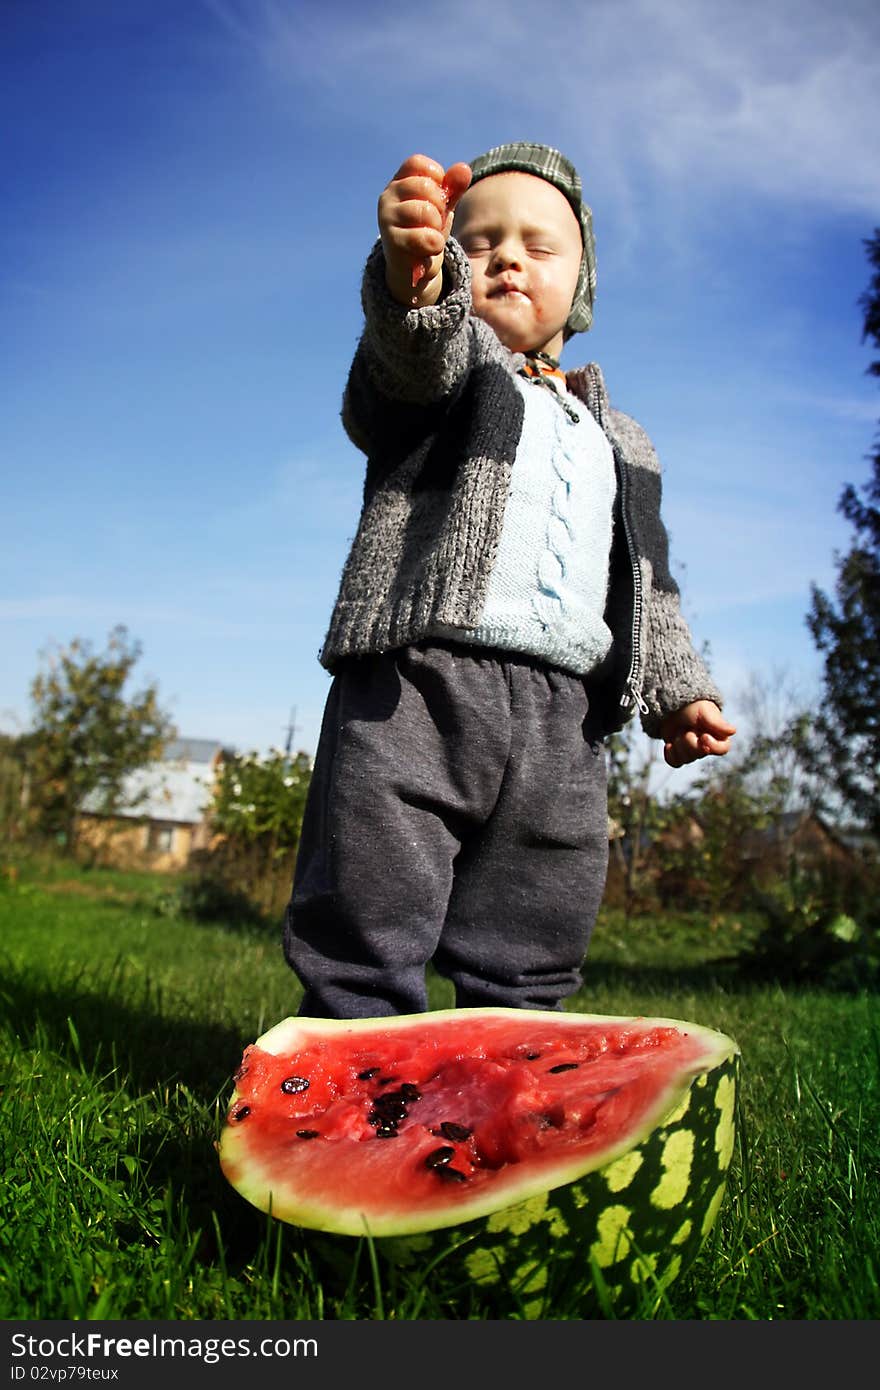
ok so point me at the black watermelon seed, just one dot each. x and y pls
(410, 1092)
(386, 1117)
(532, 1056)
(392, 1113)
(457, 1133)
(386, 1132)
(292, 1085)
(307, 1133)
(385, 1080)
(450, 1174)
(240, 1112)
(565, 1066)
(389, 1098)
(437, 1157)
(370, 1072)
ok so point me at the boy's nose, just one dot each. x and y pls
(505, 257)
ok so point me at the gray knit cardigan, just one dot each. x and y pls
(432, 401)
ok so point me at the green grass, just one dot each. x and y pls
(121, 1027)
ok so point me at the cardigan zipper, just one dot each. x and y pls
(632, 694)
(631, 691)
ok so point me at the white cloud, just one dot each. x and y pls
(850, 408)
(779, 99)
(69, 606)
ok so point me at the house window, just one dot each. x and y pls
(160, 838)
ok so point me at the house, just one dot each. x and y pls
(163, 818)
(804, 837)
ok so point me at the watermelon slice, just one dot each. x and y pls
(507, 1127)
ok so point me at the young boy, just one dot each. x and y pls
(506, 604)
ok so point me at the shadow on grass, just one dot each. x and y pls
(148, 1048)
(738, 975)
(657, 979)
(120, 1046)
(144, 1047)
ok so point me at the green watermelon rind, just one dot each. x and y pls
(604, 1243)
(514, 1197)
(633, 1226)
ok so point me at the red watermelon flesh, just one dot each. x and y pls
(400, 1125)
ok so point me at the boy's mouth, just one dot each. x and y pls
(506, 288)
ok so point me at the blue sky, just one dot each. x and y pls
(189, 192)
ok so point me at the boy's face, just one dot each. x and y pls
(524, 245)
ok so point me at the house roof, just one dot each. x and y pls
(789, 823)
(176, 789)
(193, 750)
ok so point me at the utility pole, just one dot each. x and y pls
(291, 730)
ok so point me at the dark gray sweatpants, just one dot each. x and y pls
(457, 812)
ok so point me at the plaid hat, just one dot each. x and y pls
(546, 163)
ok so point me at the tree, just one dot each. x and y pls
(261, 800)
(846, 629)
(13, 785)
(773, 759)
(710, 870)
(636, 813)
(258, 813)
(87, 735)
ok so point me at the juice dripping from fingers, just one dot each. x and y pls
(422, 268)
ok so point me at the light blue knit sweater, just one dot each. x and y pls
(547, 591)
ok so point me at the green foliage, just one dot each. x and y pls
(637, 815)
(88, 733)
(808, 937)
(121, 1029)
(13, 786)
(204, 897)
(706, 868)
(257, 813)
(846, 629)
(262, 799)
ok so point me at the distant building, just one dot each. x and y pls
(163, 816)
(804, 837)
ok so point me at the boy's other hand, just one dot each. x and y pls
(697, 730)
(415, 219)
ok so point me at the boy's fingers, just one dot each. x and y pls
(720, 727)
(415, 218)
(696, 732)
(415, 202)
(419, 212)
(713, 720)
(419, 165)
(417, 242)
(672, 755)
(684, 748)
(689, 748)
(418, 186)
(456, 181)
(708, 744)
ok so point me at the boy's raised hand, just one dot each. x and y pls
(694, 732)
(415, 219)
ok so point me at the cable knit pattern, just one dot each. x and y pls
(546, 594)
(432, 400)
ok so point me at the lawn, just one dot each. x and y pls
(122, 1022)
